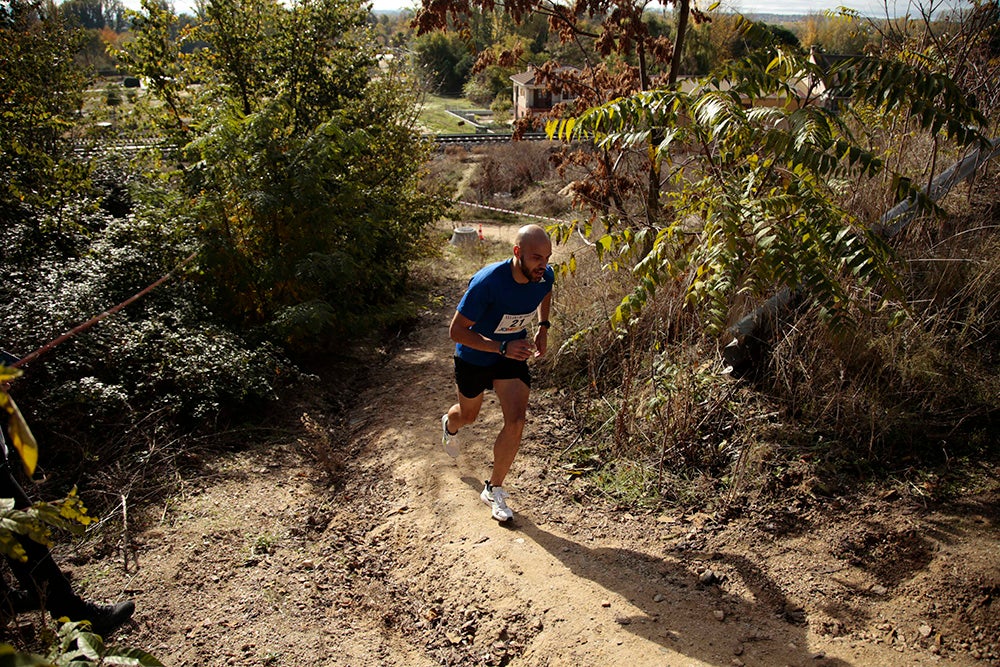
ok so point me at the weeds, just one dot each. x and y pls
(319, 445)
(659, 414)
(262, 545)
(904, 403)
(509, 170)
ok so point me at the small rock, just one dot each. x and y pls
(794, 614)
(606, 604)
(879, 589)
(707, 577)
(736, 662)
(659, 597)
(719, 615)
(925, 630)
(738, 649)
(818, 656)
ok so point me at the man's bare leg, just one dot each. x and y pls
(513, 395)
(464, 412)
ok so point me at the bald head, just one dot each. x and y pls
(531, 235)
(532, 250)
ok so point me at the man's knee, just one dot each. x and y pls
(516, 418)
(467, 415)
(468, 408)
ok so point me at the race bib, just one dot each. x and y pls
(513, 323)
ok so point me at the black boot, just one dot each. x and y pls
(104, 618)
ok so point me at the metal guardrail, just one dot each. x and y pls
(131, 147)
(482, 138)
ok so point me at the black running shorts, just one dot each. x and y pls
(473, 380)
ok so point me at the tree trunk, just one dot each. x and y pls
(656, 136)
(682, 22)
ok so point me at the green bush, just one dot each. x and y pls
(306, 177)
(165, 355)
(74, 645)
(41, 87)
(300, 202)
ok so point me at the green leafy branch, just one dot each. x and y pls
(36, 522)
(76, 646)
(754, 204)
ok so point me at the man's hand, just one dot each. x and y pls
(541, 341)
(520, 349)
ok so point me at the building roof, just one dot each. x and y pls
(524, 78)
(527, 78)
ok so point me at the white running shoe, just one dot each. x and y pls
(449, 440)
(496, 497)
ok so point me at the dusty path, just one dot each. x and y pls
(262, 562)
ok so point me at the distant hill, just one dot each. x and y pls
(775, 18)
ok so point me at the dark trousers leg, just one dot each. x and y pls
(39, 576)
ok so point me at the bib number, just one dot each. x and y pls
(513, 323)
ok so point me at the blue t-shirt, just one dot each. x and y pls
(500, 307)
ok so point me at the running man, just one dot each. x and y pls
(492, 350)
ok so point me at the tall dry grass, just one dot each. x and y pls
(910, 396)
(902, 398)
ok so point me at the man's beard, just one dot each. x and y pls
(530, 276)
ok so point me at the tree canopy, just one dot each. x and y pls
(307, 163)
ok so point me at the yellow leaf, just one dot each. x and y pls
(20, 434)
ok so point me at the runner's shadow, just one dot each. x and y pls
(667, 605)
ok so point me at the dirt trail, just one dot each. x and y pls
(261, 562)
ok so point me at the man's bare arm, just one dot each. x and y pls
(460, 332)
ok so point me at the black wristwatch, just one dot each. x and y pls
(503, 348)
(545, 323)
